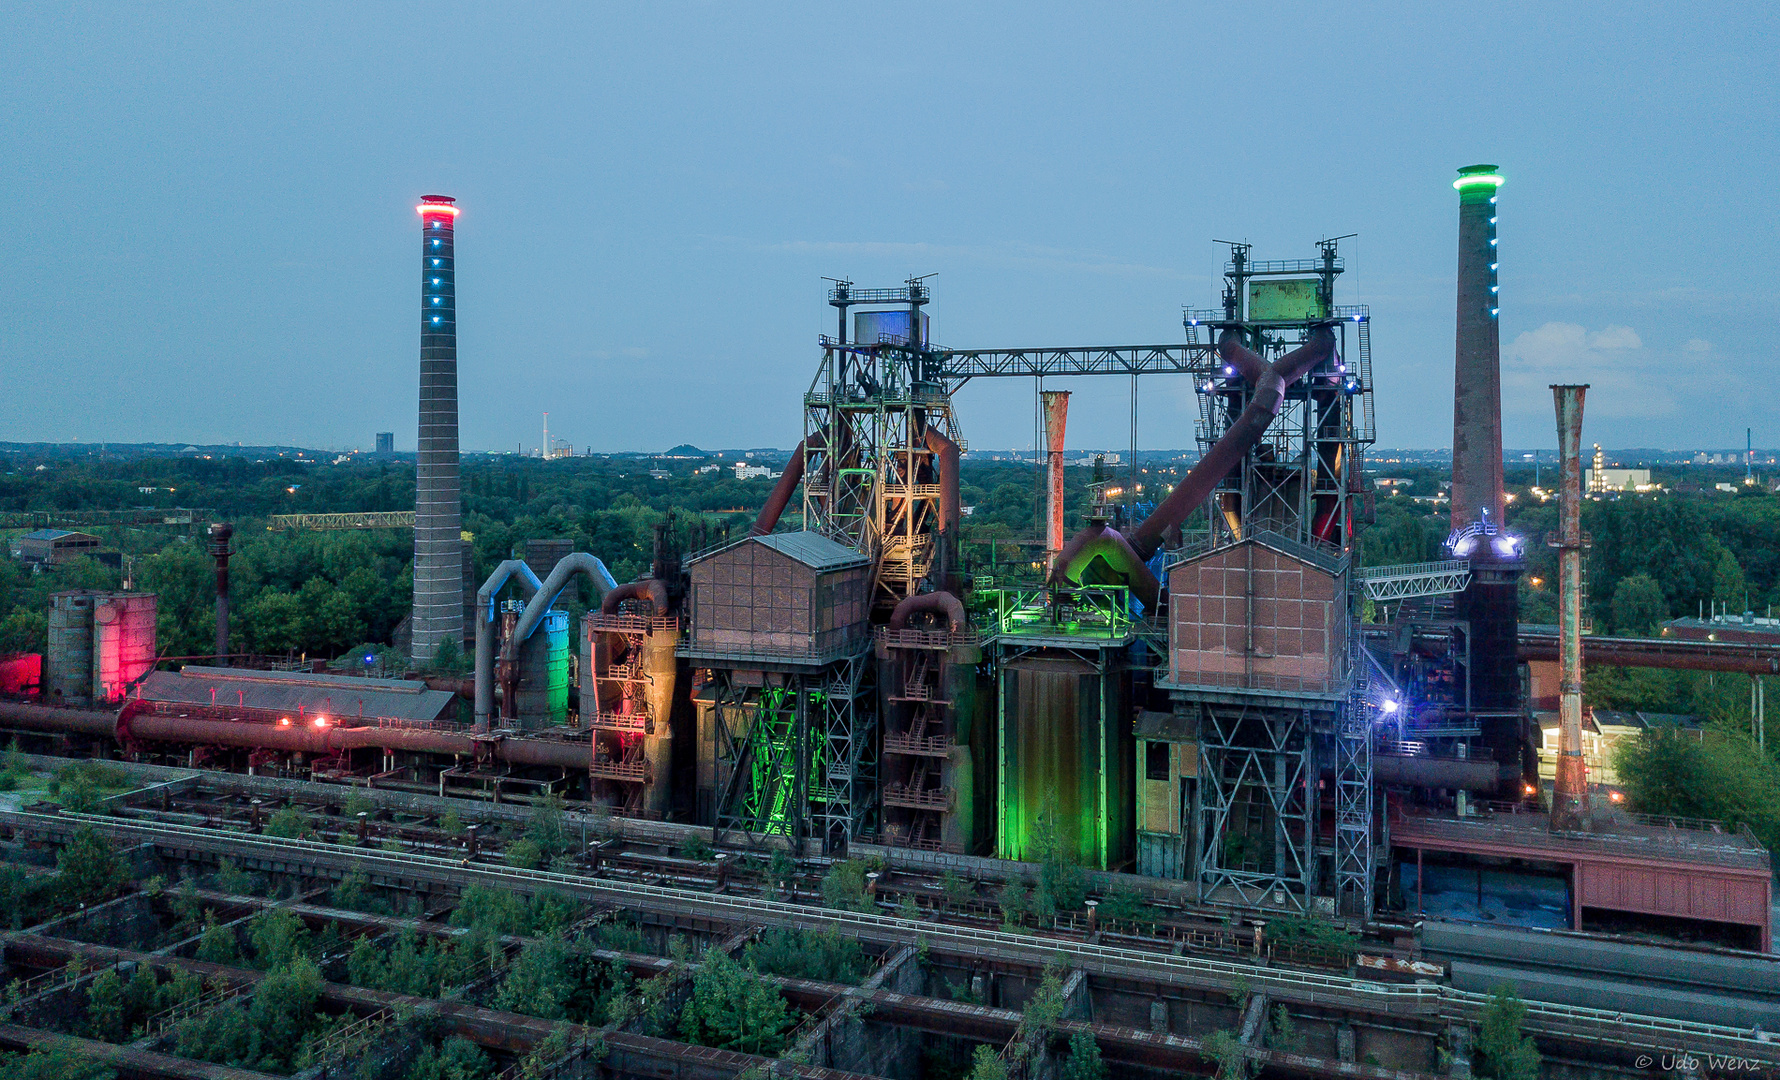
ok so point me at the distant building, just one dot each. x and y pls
(1747, 628)
(386, 442)
(744, 471)
(1616, 479)
(659, 474)
(51, 546)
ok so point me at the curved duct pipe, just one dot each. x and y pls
(654, 589)
(940, 602)
(945, 460)
(781, 494)
(1096, 541)
(578, 562)
(1270, 382)
(1480, 774)
(527, 582)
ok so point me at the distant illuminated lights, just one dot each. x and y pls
(1477, 180)
(435, 318)
(446, 209)
(1390, 705)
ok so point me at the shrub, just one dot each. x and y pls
(733, 1008)
(843, 887)
(823, 956)
(89, 869)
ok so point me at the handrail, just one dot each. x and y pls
(1447, 1002)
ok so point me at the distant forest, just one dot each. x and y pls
(324, 593)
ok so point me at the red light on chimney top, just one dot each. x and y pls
(437, 208)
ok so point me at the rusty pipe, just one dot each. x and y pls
(45, 718)
(781, 493)
(527, 582)
(219, 550)
(309, 739)
(652, 589)
(945, 462)
(1111, 547)
(1270, 384)
(943, 603)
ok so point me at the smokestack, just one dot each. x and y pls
(438, 510)
(219, 550)
(1477, 361)
(1056, 407)
(1569, 803)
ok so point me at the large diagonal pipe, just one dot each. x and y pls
(1270, 382)
(527, 582)
(783, 490)
(945, 463)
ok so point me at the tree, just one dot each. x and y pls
(1728, 584)
(823, 956)
(539, 980)
(1083, 1062)
(1062, 883)
(457, 1058)
(89, 869)
(959, 892)
(288, 823)
(733, 1008)
(278, 936)
(986, 1064)
(52, 1064)
(524, 854)
(217, 944)
(843, 887)
(1639, 605)
(1228, 1055)
(1503, 1052)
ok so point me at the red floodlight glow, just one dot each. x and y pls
(321, 721)
(284, 721)
(447, 209)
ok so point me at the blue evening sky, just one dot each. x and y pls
(207, 226)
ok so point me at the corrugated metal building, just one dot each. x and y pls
(795, 594)
(298, 693)
(54, 546)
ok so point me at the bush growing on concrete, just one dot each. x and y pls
(824, 956)
(55, 1064)
(90, 870)
(289, 823)
(271, 1032)
(733, 1008)
(1083, 1062)
(278, 937)
(1503, 1052)
(456, 1058)
(843, 887)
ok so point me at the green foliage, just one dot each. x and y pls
(1284, 1034)
(781, 869)
(52, 1064)
(1503, 1052)
(843, 887)
(450, 823)
(697, 848)
(986, 1064)
(958, 891)
(1720, 777)
(271, 1032)
(457, 1058)
(1227, 1055)
(538, 981)
(1038, 1019)
(824, 956)
(1639, 606)
(409, 965)
(1062, 883)
(289, 823)
(498, 911)
(90, 870)
(448, 659)
(354, 893)
(22, 895)
(545, 829)
(732, 1008)
(1083, 1062)
(1015, 901)
(278, 937)
(231, 879)
(217, 944)
(1121, 903)
(1311, 931)
(524, 855)
(82, 787)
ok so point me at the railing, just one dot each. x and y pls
(926, 639)
(927, 746)
(345, 1041)
(917, 799)
(1601, 1025)
(610, 721)
(632, 772)
(633, 624)
(209, 998)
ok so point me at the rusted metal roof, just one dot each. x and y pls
(294, 692)
(812, 549)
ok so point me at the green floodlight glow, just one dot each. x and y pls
(1476, 176)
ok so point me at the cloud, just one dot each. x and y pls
(1624, 377)
(1698, 345)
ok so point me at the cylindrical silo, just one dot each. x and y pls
(543, 695)
(123, 642)
(69, 675)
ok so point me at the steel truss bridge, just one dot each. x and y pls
(374, 519)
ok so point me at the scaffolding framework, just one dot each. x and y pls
(796, 759)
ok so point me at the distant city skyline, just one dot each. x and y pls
(207, 215)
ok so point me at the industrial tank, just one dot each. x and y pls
(123, 642)
(69, 679)
(543, 697)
